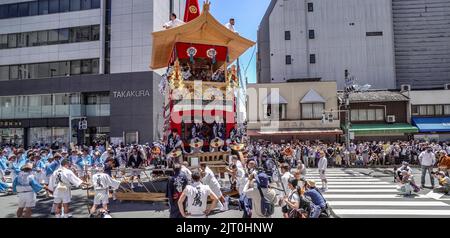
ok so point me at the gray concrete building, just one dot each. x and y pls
(300, 39)
(61, 60)
(422, 43)
(384, 43)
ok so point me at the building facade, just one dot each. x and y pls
(422, 48)
(301, 39)
(65, 60)
(290, 111)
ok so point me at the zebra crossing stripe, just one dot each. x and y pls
(353, 196)
(388, 203)
(332, 190)
(391, 212)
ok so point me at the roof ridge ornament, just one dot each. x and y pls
(206, 6)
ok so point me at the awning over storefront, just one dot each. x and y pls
(294, 132)
(399, 128)
(434, 124)
(312, 97)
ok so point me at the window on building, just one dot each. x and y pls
(43, 70)
(61, 99)
(23, 71)
(54, 69)
(4, 73)
(85, 4)
(13, 10)
(14, 72)
(95, 32)
(311, 34)
(23, 9)
(287, 35)
(3, 41)
(75, 5)
(33, 71)
(95, 66)
(43, 7)
(42, 37)
(75, 67)
(64, 68)
(288, 59)
(33, 8)
(63, 35)
(53, 37)
(86, 66)
(64, 5)
(374, 33)
(12, 40)
(430, 110)
(3, 11)
(95, 4)
(312, 111)
(310, 7)
(446, 109)
(32, 38)
(53, 6)
(367, 115)
(21, 40)
(312, 58)
(84, 34)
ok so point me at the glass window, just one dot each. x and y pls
(63, 35)
(42, 37)
(86, 67)
(430, 110)
(12, 40)
(95, 4)
(310, 7)
(64, 69)
(3, 41)
(3, 11)
(446, 109)
(318, 110)
(75, 67)
(23, 71)
(54, 69)
(84, 34)
(311, 34)
(46, 100)
(287, 35)
(288, 59)
(74, 5)
(43, 7)
(64, 5)
(53, 6)
(73, 34)
(423, 110)
(33, 8)
(61, 99)
(33, 71)
(362, 115)
(21, 107)
(34, 106)
(53, 37)
(354, 115)
(414, 110)
(32, 38)
(4, 72)
(43, 70)
(438, 110)
(95, 66)
(23, 9)
(22, 39)
(104, 99)
(13, 10)
(379, 114)
(95, 32)
(371, 115)
(85, 4)
(312, 58)
(14, 72)
(307, 111)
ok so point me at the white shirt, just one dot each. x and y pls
(186, 172)
(322, 165)
(240, 179)
(102, 181)
(285, 179)
(68, 178)
(427, 158)
(173, 23)
(230, 27)
(197, 198)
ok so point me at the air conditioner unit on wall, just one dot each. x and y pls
(405, 87)
(447, 86)
(390, 119)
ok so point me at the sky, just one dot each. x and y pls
(248, 15)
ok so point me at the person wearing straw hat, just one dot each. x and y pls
(101, 183)
(26, 187)
(322, 166)
(444, 183)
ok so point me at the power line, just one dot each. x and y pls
(251, 59)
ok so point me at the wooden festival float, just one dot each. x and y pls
(199, 90)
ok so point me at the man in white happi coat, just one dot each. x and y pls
(208, 178)
(101, 182)
(174, 22)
